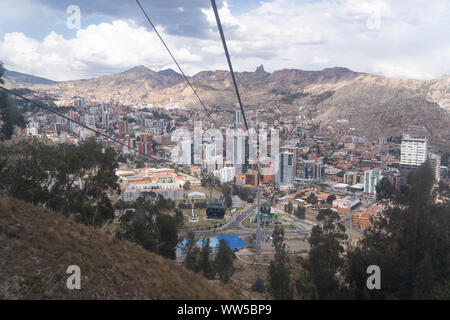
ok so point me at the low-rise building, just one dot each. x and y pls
(346, 205)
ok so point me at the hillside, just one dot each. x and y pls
(374, 105)
(37, 245)
(22, 79)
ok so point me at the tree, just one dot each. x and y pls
(300, 212)
(142, 232)
(209, 181)
(272, 188)
(258, 285)
(205, 264)
(187, 185)
(179, 218)
(167, 235)
(65, 178)
(412, 249)
(312, 198)
(192, 253)
(305, 286)
(29, 169)
(223, 262)
(9, 114)
(385, 189)
(279, 276)
(331, 198)
(226, 191)
(278, 238)
(325, 257)
(288, 207)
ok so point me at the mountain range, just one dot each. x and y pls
(371, 104)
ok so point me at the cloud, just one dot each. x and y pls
(178, 17)
(96, 50)
(401, 38)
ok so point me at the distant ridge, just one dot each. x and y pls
(14, 76)
(170, 72)
(372, 104)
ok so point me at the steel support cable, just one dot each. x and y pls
(79, 123)
(179, 68)
(222, 36)
(224, 43)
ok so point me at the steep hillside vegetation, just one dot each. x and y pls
(37, 245)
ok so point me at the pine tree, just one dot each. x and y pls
(167, 235)
(192, 253)
(279, 276)
(412, 250)
(325, 257)
(300, 212)
(223, 262)
(206, 266)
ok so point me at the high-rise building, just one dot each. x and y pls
(296, 151)
(105, 120)
(227, 174)
(238, 152)
(209, 153)
(352, 177)
(413, 150)
(104, 108)
(90, 120)
(285, 174)
(93, 110)
(435, 163)
(413, 154)
(185, 153)
(310, 169)
(237, 118)
(382, 140)
(123, 127)
(371, 180)
(80, 102)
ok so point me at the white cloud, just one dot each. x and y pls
(96, 50)
(401, 38)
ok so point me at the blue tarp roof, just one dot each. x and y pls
(233, 241)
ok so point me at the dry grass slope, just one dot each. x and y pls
(37, 245)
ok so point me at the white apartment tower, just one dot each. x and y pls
(413, 150)
(435, 163)
(413, 154)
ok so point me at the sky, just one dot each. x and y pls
(395, 38)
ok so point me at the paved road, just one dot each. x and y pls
(300, 227)
(235, 222)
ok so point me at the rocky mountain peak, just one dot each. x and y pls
(260, 69)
